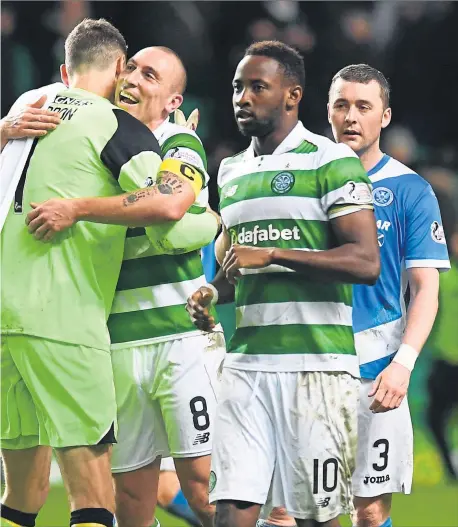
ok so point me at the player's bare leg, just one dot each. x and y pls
(168, 486)
(312, 523)
(194, 474)
(232, 513)
(86, 472)
(372, 512)
(136, 495)
(171, 498)
(26, 478)
(278, 517)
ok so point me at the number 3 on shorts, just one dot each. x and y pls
(383, 454)
(200, 416)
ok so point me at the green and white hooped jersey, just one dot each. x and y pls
(285, 322)
(150, 299)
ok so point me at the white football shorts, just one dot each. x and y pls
(288, 439)
(384, 458)
(166, 395)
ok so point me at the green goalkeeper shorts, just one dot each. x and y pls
(55, 394)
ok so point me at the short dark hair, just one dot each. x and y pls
(363, 73)
(93, 43)
(289, 58)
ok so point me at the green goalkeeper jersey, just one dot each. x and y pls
(152, 291)
(63, 290)
(284, 320)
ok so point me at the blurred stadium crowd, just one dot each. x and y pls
(413, 43)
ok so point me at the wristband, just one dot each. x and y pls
(406, 356)
(184, 171)
(215, 293)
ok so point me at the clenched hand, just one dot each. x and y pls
(198, 308)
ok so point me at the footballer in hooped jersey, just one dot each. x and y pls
(388, 337)
(155, 346)
(292, 356)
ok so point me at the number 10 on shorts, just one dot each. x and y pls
(325, 477)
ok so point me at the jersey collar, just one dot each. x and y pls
(290, 142)
(161, 128)
(379, 165)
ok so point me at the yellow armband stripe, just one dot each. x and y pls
(185, 172)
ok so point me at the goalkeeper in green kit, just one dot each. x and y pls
(57, 380)
(165, 371)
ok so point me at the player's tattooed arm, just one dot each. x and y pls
(167, 184)
(167, 200)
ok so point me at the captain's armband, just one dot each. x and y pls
(185, 172)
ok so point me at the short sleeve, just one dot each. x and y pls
(132, 154)
(345, 186)
(425, 240)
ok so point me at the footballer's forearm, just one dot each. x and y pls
(423, 306)
(167, 200)
(226, 291)
(3, 134)
(355, 261)
(222, 245)
(349, 263)
(192, 232)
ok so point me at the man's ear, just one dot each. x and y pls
(386, 118)
(294, 97)
(64, 74)
(174, 102)
(120, 65)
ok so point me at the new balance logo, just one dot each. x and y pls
(377, 479)
(324, 502)
(202, 438)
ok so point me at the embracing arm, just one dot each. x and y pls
(29, 121)
(167, 200)
(195, 230)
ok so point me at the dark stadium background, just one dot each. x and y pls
(414, 43)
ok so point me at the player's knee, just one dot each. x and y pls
(128, 504)
(35, 495)
(228, 513)
(198, 501)
(43, 490)
(372, 512)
